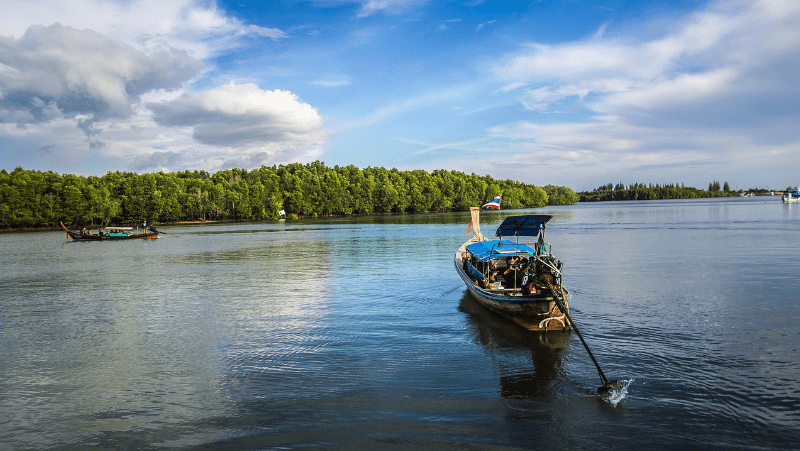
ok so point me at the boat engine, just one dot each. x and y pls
(540, 274)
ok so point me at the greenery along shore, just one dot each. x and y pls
(42, 199)
(642, 191)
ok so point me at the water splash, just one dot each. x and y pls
(614, 397)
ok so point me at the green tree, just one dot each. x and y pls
(73, 201)
(386, 195)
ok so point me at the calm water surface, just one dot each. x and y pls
(358, 334)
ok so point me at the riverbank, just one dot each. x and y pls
(52, 228)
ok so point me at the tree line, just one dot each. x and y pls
(642, 191)
(41, 199)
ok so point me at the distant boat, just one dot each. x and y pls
(112, 233)
(792, 195)
(514, 279)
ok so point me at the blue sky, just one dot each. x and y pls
(575, 93)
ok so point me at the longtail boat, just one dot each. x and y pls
(519, 281)
(111, 233)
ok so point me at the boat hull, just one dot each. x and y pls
(141, 236)
(537, 312)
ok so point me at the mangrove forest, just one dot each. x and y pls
(642, 191)
(33, 199)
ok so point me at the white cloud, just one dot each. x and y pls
(333, 81)
(391, 7)
(246, 120)
(98, 70)
(272, 33)
(676, 92)
(156, 161)
(483, 24)
(372, 7)
(709, 54)
(58, 71)
(719, 86)
(198, 27)
(410, 104)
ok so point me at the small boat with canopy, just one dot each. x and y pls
(112, 233)
(520, 281)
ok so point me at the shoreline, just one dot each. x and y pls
(210, 221)
(233, 221)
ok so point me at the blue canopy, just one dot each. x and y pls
(486, 250)
(525, 225)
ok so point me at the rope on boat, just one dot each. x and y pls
(561, 319)
(543, 324)
(551, 266)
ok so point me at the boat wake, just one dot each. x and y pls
(614, 397)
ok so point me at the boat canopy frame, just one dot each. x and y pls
(513, 226)
(523, 225)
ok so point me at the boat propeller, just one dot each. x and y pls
(608, 385)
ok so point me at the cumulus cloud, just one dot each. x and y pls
(57, 71)
(96, 72)
(243, 117)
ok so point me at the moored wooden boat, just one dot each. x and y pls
(111, 233)
(516, 280)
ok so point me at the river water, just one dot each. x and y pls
(358, 334)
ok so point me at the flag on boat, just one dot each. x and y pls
(494, 203)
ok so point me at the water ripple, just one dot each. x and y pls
(357, 334)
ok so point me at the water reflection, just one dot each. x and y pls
(529, 364)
